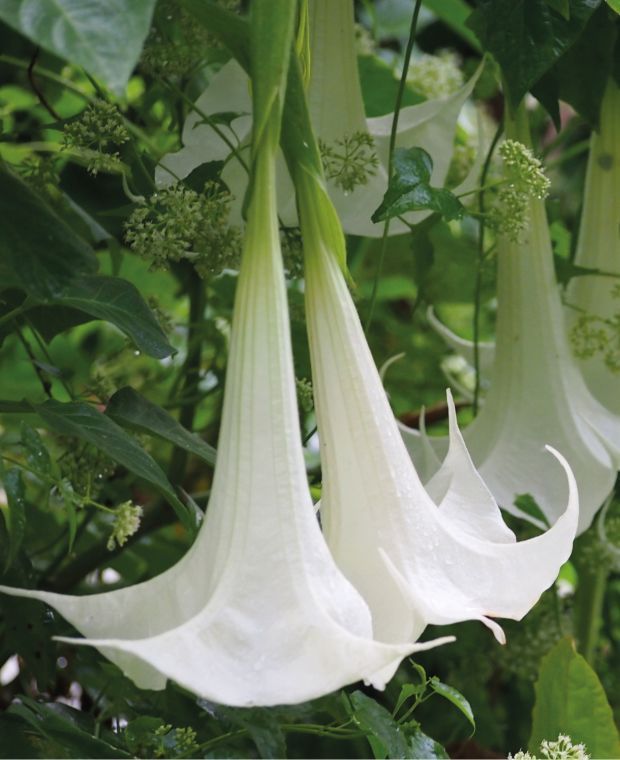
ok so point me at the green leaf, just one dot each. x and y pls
(377, 722)
(84, 421)
(527, 37)
(561, 6)
(421, 745)
(262, 724)
(119, 302)
(67, 727)
(129, 409)
(15, 516)
(580, 76)
(37, 455)
(41, 253)
(570, 700)
(454, 696)
(105, 38)
(614, 5)
(528, 504)
(379, 87)
(410, 190)
(454, 14)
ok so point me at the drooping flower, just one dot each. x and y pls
(354, 146)
(593, 312)
(418, 556)
(537, 395)
(257, 612)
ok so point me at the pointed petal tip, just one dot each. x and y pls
(495, 628)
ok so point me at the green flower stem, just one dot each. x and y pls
(190, 370)
(392, 145)
(588, 611)
(480, 262)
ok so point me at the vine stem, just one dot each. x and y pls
(391, 147)
(481, 258)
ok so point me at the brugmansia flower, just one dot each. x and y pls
(355, 149)
(594, 301)
(537, 395)
(418, 557)
(257, 612)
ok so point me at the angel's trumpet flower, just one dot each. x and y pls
(537, 395)
(418, 557)
(594, 300)
(359, 145)
(257, 612)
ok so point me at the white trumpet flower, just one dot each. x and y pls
(418, 557)
(337, 112)
(594, 301)
(257, 612)
(537, 395)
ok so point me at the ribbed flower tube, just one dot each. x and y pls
(599, 248)
(416, 559)
(257, 612)
(537, 395)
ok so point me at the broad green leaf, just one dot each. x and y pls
(379, 86)
(377, 723)
(561, 6)
(580, 76)
(28, 631)
(527, 503)
(454, 14)
(15, 516)
(67, 727)
(105, 38)
(614, 5)
(85, 422)
(454, 696)
(527, 37)
(410, 190)
(119, 302)
(37, 455)
(570, 700)
(41, 253)
(262, 724)
(421, 745)
(129, 409)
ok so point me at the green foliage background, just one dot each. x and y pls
(111, 379)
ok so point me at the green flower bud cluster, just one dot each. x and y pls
(85, 468)
(305, 396)
(178, 743)
(178, 223)
(349, 162)
(176, 44)
(93, 133)
(40, 173)
(435, 76)
(127, 518)
(561, 749)
(524, 179)
(593, 335)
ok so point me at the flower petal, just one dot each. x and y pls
(373, 503)
(228, 92)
